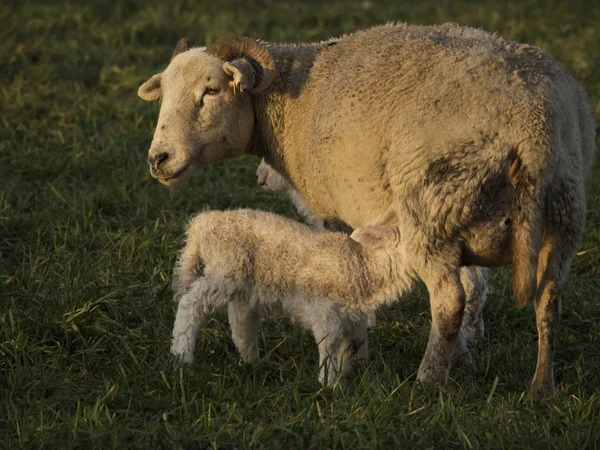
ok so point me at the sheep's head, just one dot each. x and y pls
(206, 112)
(269, 179)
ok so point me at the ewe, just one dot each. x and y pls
(411, 126)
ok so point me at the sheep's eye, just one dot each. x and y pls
(212, 90)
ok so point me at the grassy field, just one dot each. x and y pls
(88, 241)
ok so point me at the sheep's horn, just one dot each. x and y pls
(182, 46)
(237, 47)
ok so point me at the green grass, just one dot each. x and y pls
(88, 241)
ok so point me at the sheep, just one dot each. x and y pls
(265, 262)
(419, 127)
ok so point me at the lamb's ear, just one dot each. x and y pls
(243, 74)
(377, 237)
(151, 89)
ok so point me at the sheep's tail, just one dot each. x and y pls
(527, 217)
(189, 265)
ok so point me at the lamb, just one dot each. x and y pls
(411, 126)
(263, 261)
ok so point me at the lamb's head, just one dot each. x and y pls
(269, 179)
(206, 113)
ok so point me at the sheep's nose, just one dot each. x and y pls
(262, 181)
(157, 160)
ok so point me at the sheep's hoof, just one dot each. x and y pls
(432, 376)
(542, 389)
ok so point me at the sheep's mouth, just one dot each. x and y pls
(176, 176)
(185, 171)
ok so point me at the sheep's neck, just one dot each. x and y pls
(293, 66)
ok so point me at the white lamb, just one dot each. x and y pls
(276, 264)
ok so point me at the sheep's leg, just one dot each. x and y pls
(547, 317)
(188, 321)
(475, 284)
(243, 319)
(447, 299)
(563, 229)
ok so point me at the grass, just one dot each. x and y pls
(88, 241)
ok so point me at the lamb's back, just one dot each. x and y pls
(277, 255)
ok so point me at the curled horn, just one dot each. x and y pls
(182, 46)
(237, 47)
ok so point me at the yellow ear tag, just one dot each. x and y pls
(236, 86)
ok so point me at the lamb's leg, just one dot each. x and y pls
(360, 342)
(447, 299)
(354, 344)
(475, 284)
(371, 319)
(188, 321)
(243, 319)
(328, 335)
(363, 346)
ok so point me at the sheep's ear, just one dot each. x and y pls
(151, 89)
(243, 75)
(250, 58)
(377, 237)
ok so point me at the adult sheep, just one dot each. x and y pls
(432, 129)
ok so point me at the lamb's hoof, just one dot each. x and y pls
(331, 381)
(182, 357)
(371, 319)
(542, 390)
(250, 357)
(362, 354)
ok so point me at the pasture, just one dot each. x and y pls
(88, 242)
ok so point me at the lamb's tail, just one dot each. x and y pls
(189, 265)
(527, 217)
